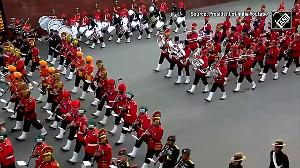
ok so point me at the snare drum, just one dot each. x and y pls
(159, 25)
(44, 21)
(88, 34)
(111, 30)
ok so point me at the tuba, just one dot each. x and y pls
(216, 72)
(176, 50)
(198, 63)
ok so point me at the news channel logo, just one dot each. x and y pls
(281, 20)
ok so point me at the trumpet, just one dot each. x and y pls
(198, 63)
(179, 163)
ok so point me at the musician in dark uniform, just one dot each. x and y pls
(170, 155)
(185, 160)
(144, 24)
(182, 14)
(122, 161)
(173, 14)
(236, 160)
(161, 17)
(92, 25)
(154, 13)
(54, 40)
(277, 157)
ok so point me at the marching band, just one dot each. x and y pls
(243, 46)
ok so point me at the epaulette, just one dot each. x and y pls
(176, 147)
(190, 161)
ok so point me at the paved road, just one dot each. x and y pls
(245, 122)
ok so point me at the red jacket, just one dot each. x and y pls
(35, 54)
(107, 17)
(132, 108)
(295, 49)
(65, 46)
(156, 133)
(20, 66)
(85, 21)
(233, 59)
(260, 54)
(37, 152)
(81, 123)
(90, 141)
(256, 33)
(111, 96)
(285, 44)
(52, 164)
(247, 65)
(219, 35)
(145, 122)
(72, 115)
(106, 155)
(193, 40)
(206, 27)
(221, 78)
(273, 36)
(7, 157)
(183, 60)
(65, 107)
(121, 101)
(239, 29)
(29, 105)
(272, 56)
(205, 65)
(227, 25)
(232, 38)
(164, 49)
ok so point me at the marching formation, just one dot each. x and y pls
(245, 45)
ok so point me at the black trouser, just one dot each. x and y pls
(138, 143)
(268, 66)
(88, 157)
(126, 125)
(223, 37)
(233, 70)
(216, 85)
(44, 89)
(28, 123)
(101, 104)
(186, 68)
(210, 62)
(50, 50)
(62, 60)
(260, 62)
(248, 77)
(73, 131)
(64, 124)
(142, 31)
(150, 153)
(20, 113)
(172, 64)
(98, 91)
(183, 24)
(118, 119)
(226, 51)
(78, 145)
(108, 112)
(171, 22)
(162, 57)
(77, 80)
(282, 55)
(291, 59)
(33, 66)
(126, 35)
(50, 97)
(27, 59)
(85, 86)
(198, 77)
(58, 115)
(68, 61)
(10, 166)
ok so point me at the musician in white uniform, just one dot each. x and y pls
(134, 21)
(123, 28)
(92, 25)
(144, 21)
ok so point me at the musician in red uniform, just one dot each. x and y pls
(77, 16)
(284, 45)
(30, 116)
(259, 52)
(101, 87)
(184, 62)
(175, 55)
(294, 54)
(206, 28)
(103, 154)
(90, 141)
(44, 72)
(129, 114)
(48, 83)
(108, 19)
(75, 64)
(48, 160)
(141, 125)
(247, 63)
(118, 104)
(37, 150)
(81, 71)
(202, 68)
(213, 53)
(219, 72)
(192, 37)
(84, 23)
(108, 97)
(142, 7)
(78, 126)
(272, 54)
(232, 65)
(71, 55)
(117, 8)
(34, 51)
(154, 136)
(245, 40)
(7, 158)
(164, 49)
(68, 111)
(88, 77)
(247, 19)
(231, 39)
(63, 49)
(181, 14)
(226, 25)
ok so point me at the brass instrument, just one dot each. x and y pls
(176, 50)
(179, 163)
(198, 63)
(164, 151)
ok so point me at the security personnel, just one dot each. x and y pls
(170, 155)
(48, 160)
(7, 158)
(36, 152)
(142, 123)
(154, 135)
(103, 153)
(236, 160)
(122, 161)
(186, 161)
(277, 157)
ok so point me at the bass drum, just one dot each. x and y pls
(179, 20)
(82, 29)
(88, 34)
(159, 25)
(44, 21)
(64, 28)
(111, 30)
(134, 24)
(54, 24)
